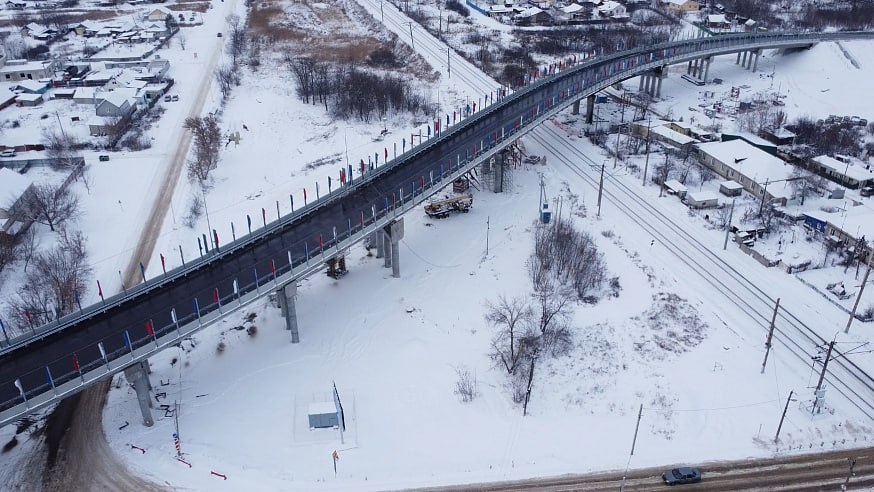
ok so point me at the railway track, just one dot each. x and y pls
(844, 376)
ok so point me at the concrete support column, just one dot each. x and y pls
(640, 88)
(379, 241)
(689, 68)
(737, 62)
(707, 68)
(756, 62)
(137, 375)
(395, 259)
(743, 61)
(659, 87)
(749, 60)
(286, 295)
(590, 108)
(386, 249)
(576, 107)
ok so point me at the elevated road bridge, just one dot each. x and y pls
(63, 357)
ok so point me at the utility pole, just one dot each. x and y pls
(633, 443)
(728, 229)
(764, 193)
(859, 296)
(770, 335)
(777, 436)
(487, 235)
(448, 65)
(828, 355)
(664, 177)
(646, 163)
(601, 187)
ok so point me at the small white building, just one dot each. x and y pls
(702, 199)
(612, 9)
(28, 99)
(674, 187)
(13, 187)
(848, 171)
(730, 188)
(158, 14)
(681, 6)
(751, 167)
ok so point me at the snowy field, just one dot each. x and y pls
(668, 342)
(394, 351)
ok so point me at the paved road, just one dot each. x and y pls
(267, 253)
(811, 472)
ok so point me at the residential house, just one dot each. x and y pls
(717, 21)
(14, 188)
(86, 28)
(702, 199)
(159, 14)
(848, 171)
(612, 9)
(15, 70)
(7, 99)
(37, 31)
(843, 226)
(576, 12)
(681, 6)
(116, 104)
(30, 87)
(88, 95)
(761, 174)
(533, 16)
(27, 100)
(16, 5)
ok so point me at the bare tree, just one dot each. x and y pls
(51, 288)
(465, 385)
(225, 77)
(60, 147)
(15, 46)
(28, 245)
(207, 144)
(804, 182)
(237, 40)
(180, 38)
(510, 316)
(47, 204)
(254, 59)
(8, 250)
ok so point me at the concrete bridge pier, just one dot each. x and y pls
(737, 62)
(286, 295)
(137, 374)
(393, 234)
(743, 61)
(689, 68)
(576, 107)
(386, 248)
(707, 68)
(590, 109)
(756, 62)
(378, 241)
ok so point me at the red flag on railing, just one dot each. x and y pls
(27, 315)
(272, 268)
(75, 363)
(386, 153)
(149, 330)
(304, 195)
(215, 295)
(264, 216)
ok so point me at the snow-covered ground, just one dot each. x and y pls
(393, 346)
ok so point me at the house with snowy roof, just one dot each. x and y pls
(760, 173)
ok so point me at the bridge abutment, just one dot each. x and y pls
(756, 62)
(286, 295)
(138, 376)
(576, 107)
(393, 233)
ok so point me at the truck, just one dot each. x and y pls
(439, 209)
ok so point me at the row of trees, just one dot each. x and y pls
(564, 267)
(348, 91)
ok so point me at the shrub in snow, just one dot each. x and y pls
(465, 385)
(252, 330)
(221, 347)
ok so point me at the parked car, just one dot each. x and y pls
(867, 191)
(175, 97)
(167, 99)
(103, 158)
(7, 153)
(218, 35)
(682, 475)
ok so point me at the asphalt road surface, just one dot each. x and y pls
(810, 472)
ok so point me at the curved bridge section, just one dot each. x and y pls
(63, 357)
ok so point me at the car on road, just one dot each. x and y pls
(175, 97)
(167, 99)
(103, 158)
(682, 475)
(7, 153)
(218, 35)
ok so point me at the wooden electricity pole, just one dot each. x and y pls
(770, 336)
(777, 436)
(828, 355)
